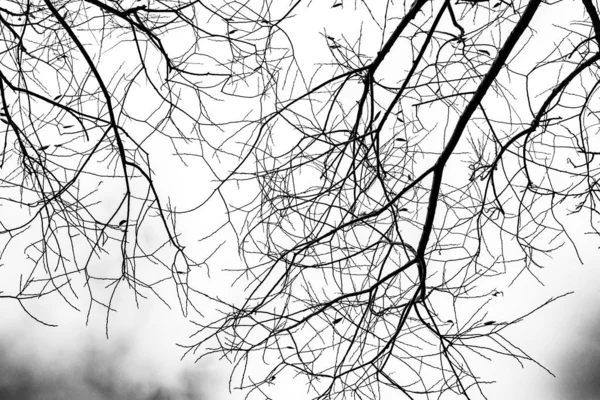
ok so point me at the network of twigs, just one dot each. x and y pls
(377, 194)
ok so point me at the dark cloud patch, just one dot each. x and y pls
(15, 382)
(95, 379)
(41, 363)
(579, 372)
(582, 380)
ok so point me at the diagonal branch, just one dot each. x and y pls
(464, 119)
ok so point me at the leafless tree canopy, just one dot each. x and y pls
(383, 168)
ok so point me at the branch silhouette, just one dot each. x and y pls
(384, 170)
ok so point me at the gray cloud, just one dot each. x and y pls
(94, 376)
(580, 368)
(140, 360)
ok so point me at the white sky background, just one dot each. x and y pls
(140, 359)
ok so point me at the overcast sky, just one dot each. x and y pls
(140, 359)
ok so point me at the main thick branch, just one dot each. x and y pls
(464, 119)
